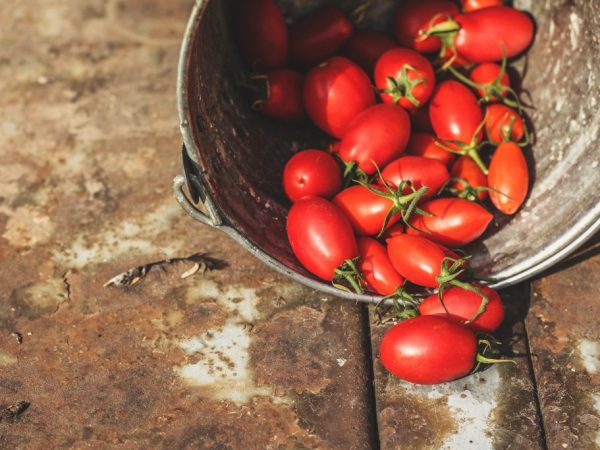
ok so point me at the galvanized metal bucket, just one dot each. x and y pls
(233, 158)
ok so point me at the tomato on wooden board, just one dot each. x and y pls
(280, 95)
(320, 235)
(365, 48)
(419, 171)
(429, 350)
(262, 34)
(488, 74)
(418, 259)
(424, 144)
(474, 5)
(465, 168)
(311, 173)
(463, 304)
(366, 210)
(317, 36)
(375, 137)
(488, 35)
(498, 120)
(374, 264)
(454, 222)
(335, 92)
(415, 15)
(404, 77)
(508, 178)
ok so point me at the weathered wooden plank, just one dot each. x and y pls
(564, 333)
(491, 409)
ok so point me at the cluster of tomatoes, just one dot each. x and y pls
(404, 183)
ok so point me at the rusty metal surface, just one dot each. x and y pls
(234, 357)
(493, 409)
(564, 330)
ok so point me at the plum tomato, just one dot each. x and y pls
(454, 222)
(335, 92)
(503, 124)
(429, 350)
(319, 35)
(424, 144)
(419, 171)
(262, 34)
(508, 178)
(418, 259)
(311, 173)
(377, 271)
(365, 48)
(462, 305)
(488, 74)
(466, 169)
(321, 236)
(375, 137)
(473, 5)
(415, 15)
(405, 77)
(280, 95)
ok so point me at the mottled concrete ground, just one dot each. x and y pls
(209, 350)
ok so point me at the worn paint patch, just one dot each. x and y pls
(27, 227)
(590, 355)
(7, 360)
(597, 407)
(38, 299)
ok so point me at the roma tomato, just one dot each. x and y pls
(488, 35)
(280, 95)
(317, 36)
(462, 305)
(417, 259)
(488, 75)
(320, 235)
(413, 16)
(466, 169)
(375, 137)
(365, 48)
(262, 34)
(429, 350)
(365, 210)
(423, 144)
(311, 173)
(404, 77)
(503, 124)
(419, 171)
(335, 92)
(375, 266)
(474, 5)
(455, 113)
(508, 178)
(454, 222)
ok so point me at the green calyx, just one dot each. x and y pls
(348, 272)
(397, 306)
(402, 85)
(471, 149)
(488, 352)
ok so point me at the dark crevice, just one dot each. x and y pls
(372, 397)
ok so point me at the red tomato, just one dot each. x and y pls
(262, 34)
(429, 350)
(375, 137)
(311, 173)
(334, 147)
(404, 77)
(473, 5)
(365, 48)
(455, 112)
(498, 120)
(317, 36)
(417, 259)
(419, 171)
(449, 57)
(465, 168)
(487, 74)
(365, 210)
(423, 144)
(320, 235)
(415, 15)
(335, 92)
(508, 178)
(419, 119)
(462, 305)
(489, 34)
(454, 222)
(376, 268)
(281, 95)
